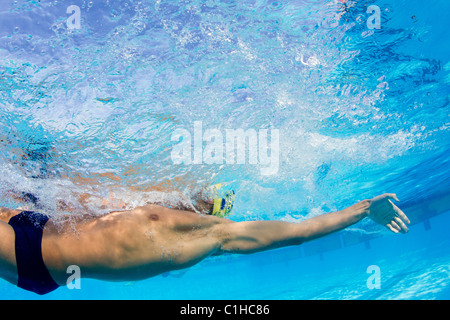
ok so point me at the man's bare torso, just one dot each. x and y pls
(126, 245)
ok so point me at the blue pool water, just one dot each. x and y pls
(360, 111)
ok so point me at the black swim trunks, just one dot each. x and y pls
(33, 274)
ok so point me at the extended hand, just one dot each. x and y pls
(384, 212)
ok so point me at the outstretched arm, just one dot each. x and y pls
(254, 236)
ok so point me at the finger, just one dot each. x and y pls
(401, 214)
(391, 228)
(392, 196)
(395, 225)
(401, 224)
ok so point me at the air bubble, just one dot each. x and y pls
(276, 5)
(149, 234)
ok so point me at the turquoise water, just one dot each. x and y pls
(359, 112)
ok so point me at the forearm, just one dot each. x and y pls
(325, 224)
(254, 236)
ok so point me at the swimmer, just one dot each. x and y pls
(35, 250)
